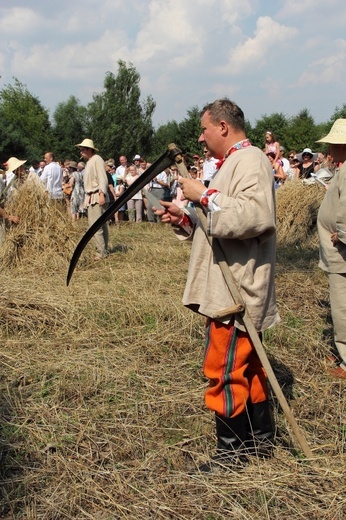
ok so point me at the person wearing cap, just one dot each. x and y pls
(137, 162)
(96, 193)
(195, 158)
(52, 178)
(331, 225)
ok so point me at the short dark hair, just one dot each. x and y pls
(227, 110)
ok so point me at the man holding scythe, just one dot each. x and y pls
(240, 210)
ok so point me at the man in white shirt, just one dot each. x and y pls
(158, 186)
(120, 172)
(52, 177)
(35, 167)
(285, 162)
(209, 167)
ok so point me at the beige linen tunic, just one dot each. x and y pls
(95, 180)
(245, 227)
(332, 218)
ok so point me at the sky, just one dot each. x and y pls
(266, 55)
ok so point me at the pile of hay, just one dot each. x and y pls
(45, 233)
(297, 206)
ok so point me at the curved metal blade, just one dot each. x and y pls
(164, 161)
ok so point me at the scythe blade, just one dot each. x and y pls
(164, 161)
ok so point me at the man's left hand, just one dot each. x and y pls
(334, 238)
(192, 189)
(102, 199)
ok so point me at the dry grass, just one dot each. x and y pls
(102, 391)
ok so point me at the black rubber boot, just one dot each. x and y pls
(261, 431)
(232, 434)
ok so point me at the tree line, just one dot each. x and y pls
(120, 122)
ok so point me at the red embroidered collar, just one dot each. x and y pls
(238, 146)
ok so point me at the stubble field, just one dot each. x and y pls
(102, 413)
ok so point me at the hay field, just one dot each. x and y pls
(102, 413)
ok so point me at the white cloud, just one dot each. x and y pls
(169, 33)
(19, 21)
(261, 49)
(328, 69)
(186, 52)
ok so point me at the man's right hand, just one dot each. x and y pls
(172, 214)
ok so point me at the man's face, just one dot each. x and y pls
(47, 158)
(338, 152)
(211, 134)
(86, 153)
(123, 160)
(42, 164)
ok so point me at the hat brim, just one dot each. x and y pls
(314, 156)
(332, 139)
(82, 145)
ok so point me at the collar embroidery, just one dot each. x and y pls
(238, 146)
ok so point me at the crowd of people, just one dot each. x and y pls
(295, 166)
(65, 180)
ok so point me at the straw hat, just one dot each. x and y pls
(87, 143)
(337, 134)
(72, 164)
(13, 163)
(314, 155)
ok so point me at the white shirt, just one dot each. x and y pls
(52, 180)
(35, 170)
(285, 164)
(10, 177)
(120, 172)
(160, 177)
(209, 168)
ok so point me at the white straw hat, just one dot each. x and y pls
(314, 155)
(87, 143)
(13, 163)
(337, 134)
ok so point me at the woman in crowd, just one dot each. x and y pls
(293, 170)
(200, 168)
(134, 205)
(278, 172)
(77, 196)
(308, 163)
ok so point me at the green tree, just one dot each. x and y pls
(69, 128)
(189, 132)
(276, 123)
(118, 121)
(25, 129)
(163, 136)
(302, 132)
